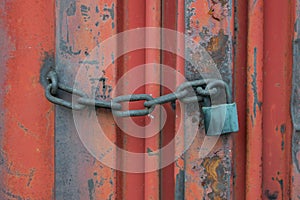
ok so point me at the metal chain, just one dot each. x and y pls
(183, 94)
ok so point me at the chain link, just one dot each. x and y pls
(184, 93)
(62, 102)
(133, 113)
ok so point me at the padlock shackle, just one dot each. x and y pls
(221, 83)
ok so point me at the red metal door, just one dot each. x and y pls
(104, 49)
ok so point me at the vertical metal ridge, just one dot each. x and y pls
(255, 99)
(277, 123)
(240, 93)
(153, 74)
(167, 183)
(210, 25)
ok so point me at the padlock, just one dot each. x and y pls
(220, 114)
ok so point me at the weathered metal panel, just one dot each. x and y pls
(81, 26)
(277, 126)
(259, 69)
(210, 25)
(255, 51)
(26, 119)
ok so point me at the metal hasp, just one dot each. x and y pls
(221, 118)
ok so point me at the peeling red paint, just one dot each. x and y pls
(26, 150)
(209, 24)
(277, 69)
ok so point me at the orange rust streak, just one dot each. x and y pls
(27, 139)
(254, 100)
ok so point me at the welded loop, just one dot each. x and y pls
(166, 98)
(53, 80)
(99, 103)
(205, 92)
(196, 83)
(133, 113)
(192, 84)
(67, 104)
(217, 84)
(181, 94)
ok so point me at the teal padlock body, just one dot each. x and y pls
(220, 119)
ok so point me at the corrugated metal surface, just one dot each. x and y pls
(255, 45)
(255, 70)
(26, 119)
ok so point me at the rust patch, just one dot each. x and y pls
(217, 47)
(219, 10)
(216, 178)
(199, 63)
(223, 2)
